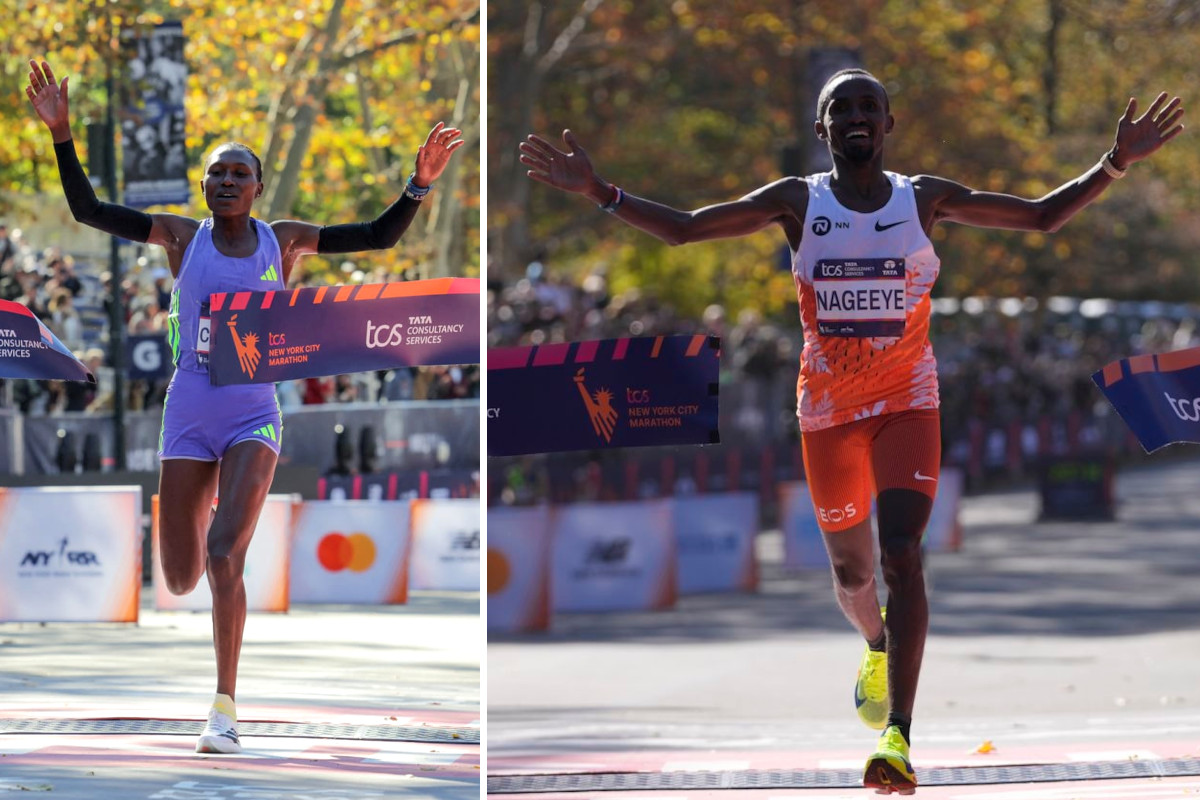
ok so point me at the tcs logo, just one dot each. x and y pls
(1185, 409)
(384, 335)
(355, 552)
(830, 270)
(836, 515)
(637, 395)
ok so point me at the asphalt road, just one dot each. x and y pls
(1050, 642)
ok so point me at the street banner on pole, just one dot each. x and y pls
(153, 126)
(29, 350)
(655, 390)
(264, 337)
(1157, 395)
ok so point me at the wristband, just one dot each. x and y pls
(615, 203)
(416, 192)
(1110, 168)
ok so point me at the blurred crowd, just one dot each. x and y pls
(73, 298)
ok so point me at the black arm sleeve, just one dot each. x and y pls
(380, 233)
(128, 223)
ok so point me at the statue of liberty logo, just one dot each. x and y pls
(599, 408)
(247, 348)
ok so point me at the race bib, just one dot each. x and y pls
(860, 297)
(203, 335)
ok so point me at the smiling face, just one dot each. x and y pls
(231, 181)
(856, 119)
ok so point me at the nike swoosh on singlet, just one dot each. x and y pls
(882, 228)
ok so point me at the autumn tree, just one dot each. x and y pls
(335, 95)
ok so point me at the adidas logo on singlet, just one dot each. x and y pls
(270, 274)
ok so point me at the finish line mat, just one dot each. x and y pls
(654, 390)
(29, 350)
(1157, 395)
(265, 337)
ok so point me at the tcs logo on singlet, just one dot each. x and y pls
(836, 515)
(337, 551)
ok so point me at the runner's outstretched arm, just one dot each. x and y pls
(572, 171)
(50, 100)
(1136, 139)
(301, 238)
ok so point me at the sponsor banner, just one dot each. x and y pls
(943, 534)
(351, 551)
(70, 554)
(613, 557)
(153, 122)
(803, 545)
(1158, 396)
(518, 569)
(266, 573)
(29, 350)
(264, 337)
(599, 394)
(148, 356)
(445, 549)
(714, 537)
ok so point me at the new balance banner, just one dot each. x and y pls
(613, 557)
(445, 545)
(264, 337)
(1157, 395)
(656, 390)
(70, 554)
(29, 350)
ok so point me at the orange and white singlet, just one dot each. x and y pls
(863, 281)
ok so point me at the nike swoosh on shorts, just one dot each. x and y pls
(921, 477)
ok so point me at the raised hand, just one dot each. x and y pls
(434, 155)
(570, 171)
(49, 99)
(1138, 138)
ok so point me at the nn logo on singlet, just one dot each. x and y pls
(599, 407)
(246, 347)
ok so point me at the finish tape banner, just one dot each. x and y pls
(1158, 396)
(654, 390)
(29, 350)
(265, 337)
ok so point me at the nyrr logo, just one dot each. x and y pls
(599, 407)
(1188, 410)
(75, 558)
(247, 348)
(611, 551)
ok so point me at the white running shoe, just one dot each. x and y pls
(220, 734)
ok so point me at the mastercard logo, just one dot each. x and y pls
(499, 571)
(337, 551)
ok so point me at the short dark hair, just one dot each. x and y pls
(826, 95)
(245, 149)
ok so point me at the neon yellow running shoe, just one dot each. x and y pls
(871, 689)
(888, 769)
